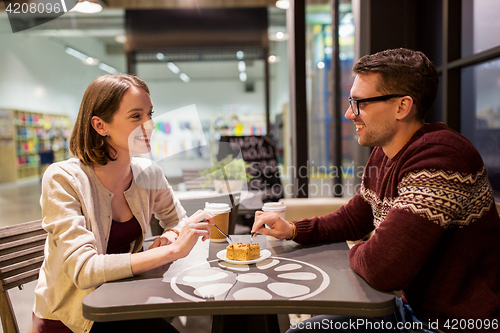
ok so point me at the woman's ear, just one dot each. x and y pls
(99, 125)
(405, 107)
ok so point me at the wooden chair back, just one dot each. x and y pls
(21, 256)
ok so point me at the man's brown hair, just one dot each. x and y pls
(102, 99)
(403, 71)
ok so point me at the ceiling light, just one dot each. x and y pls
(243, 77)
(83, 57)
(241, 66)
(87, 6)
(160, 56)
(273, 59)
(321, 65)
(173, 68)
(240, 55)
(283, 4)
(91, 61)
(278, 36)
(121, 39)
(184, 77)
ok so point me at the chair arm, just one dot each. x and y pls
(301, 208)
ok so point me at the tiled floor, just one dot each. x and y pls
(19, 203)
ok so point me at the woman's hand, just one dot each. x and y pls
(192, 230)
(278, 226)
(167, 238)
(170, 236)
(161, 255)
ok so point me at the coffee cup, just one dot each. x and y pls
(276, 207)
(220, 211)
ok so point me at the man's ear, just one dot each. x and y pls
(99, 125)
(404, 108)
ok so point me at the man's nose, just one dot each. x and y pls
(349, 114)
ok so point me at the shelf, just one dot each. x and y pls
(24, 135)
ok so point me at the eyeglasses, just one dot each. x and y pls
(354, 103)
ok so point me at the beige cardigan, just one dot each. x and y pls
(76, 210)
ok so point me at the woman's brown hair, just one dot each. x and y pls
(102, 99)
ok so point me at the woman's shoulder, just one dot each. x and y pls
(71, 165)
(71, 169)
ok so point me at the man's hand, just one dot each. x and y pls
(278, 226)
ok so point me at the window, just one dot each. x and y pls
(481, 114)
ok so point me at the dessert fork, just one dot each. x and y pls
(252, 234)
(229, 240)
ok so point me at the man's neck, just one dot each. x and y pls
(403, 135)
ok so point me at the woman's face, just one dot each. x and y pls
(130, 129)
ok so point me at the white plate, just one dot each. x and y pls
(264, 254)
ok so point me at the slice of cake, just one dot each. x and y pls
(240, 251)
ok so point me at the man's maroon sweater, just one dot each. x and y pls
(437, 232)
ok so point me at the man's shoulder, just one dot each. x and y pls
(436, 146)
(439, 133)
(440, 139)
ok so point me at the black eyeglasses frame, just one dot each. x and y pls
(354, 103)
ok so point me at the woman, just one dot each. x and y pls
(96, 209)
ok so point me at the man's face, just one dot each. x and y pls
(375, 124)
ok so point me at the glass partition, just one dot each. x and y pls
(479, 20)
(481, 114)
(319, 42)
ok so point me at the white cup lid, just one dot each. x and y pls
(217, 208)
(274, 207)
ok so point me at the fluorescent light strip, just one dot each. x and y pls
(184, 77)
(107, 68)
(173, 68)
(242, 66)
(76, 54)
(283, 4)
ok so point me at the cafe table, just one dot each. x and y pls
(292, 278)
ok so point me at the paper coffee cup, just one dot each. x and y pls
(221, 218)
(276, 207)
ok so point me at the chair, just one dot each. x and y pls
(21, 256)
(194, 181)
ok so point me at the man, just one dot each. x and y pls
(426, 195)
